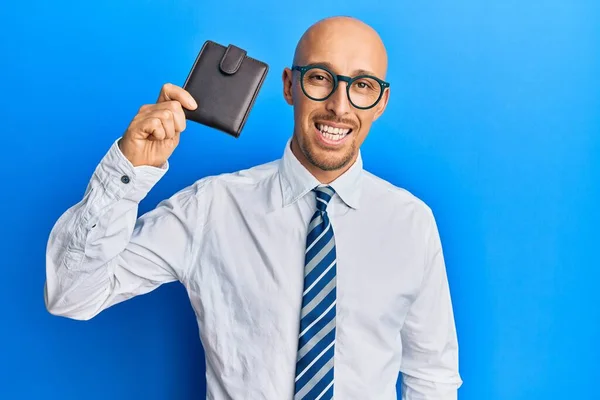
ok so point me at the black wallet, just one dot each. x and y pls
(224, 81)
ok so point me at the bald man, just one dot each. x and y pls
(310, 277)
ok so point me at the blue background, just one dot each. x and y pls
(493, 121)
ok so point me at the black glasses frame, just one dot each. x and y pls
(336, 79)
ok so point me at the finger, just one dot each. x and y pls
(154, 128)
(177, 110)
(167, 119)
(143, 112)
(145, 108)
(173, 92)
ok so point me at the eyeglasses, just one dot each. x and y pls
(319, 83)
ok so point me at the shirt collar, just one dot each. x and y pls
(296, 180)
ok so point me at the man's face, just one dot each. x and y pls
(330, 132)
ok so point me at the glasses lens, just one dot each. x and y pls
(317, 83)
(364, 92)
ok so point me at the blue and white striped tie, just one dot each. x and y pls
(314, 365)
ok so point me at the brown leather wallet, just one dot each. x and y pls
(224, 81)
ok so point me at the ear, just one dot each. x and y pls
(287, 78)
(380, 108)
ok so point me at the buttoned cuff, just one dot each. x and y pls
(121, 180)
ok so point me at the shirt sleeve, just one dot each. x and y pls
(430, 349)
(99, 253)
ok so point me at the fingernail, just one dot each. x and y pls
(192, 103)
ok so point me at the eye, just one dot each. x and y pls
(366, 84)
(319, 76)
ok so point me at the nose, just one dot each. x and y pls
(338, 102)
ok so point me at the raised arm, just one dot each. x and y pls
(99, 253)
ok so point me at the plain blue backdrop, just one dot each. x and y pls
(493, 121)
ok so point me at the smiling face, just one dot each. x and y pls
(329, 133)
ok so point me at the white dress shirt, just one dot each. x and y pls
(236, 241)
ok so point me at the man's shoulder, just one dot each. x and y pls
(246, 178)
(390, 194)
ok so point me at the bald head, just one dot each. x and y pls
(350, 41)
(331, 118)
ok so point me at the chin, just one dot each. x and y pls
(327, 156)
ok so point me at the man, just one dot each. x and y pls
(310, 277)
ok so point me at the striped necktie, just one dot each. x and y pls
(314, 365)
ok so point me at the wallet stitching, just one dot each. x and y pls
(246, 57)
(239, 62)
(250, 106)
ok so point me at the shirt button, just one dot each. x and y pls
(125, 179)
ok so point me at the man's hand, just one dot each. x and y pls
(153, 134)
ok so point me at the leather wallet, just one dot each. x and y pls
(225, 82)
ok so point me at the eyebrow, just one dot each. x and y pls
(331, 67)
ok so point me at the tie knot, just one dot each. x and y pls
(324, 194)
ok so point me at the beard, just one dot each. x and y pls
(325, 160)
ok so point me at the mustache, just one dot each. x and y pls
(334, 119)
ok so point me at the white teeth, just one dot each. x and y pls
(332, 137)
(331, 132)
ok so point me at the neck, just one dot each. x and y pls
(325, 177)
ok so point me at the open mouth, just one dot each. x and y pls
(332, 134)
